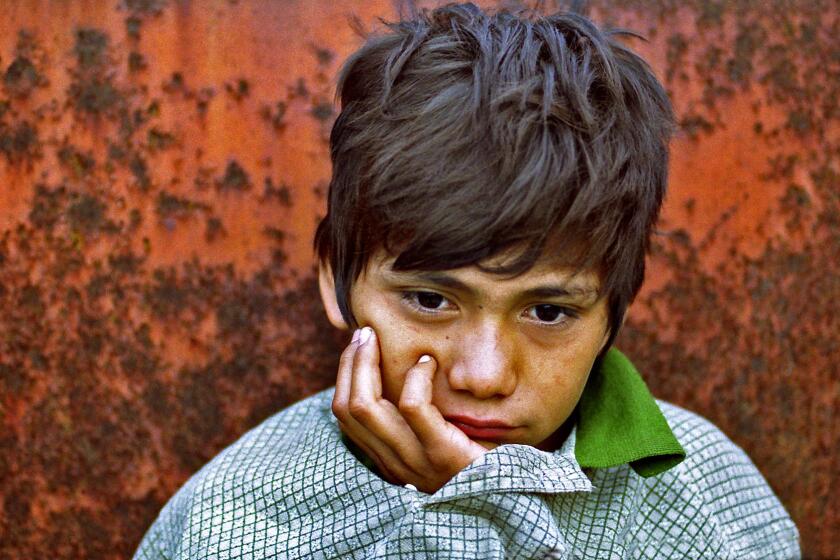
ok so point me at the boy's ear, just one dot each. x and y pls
(326, 285)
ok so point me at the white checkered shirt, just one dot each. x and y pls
(290, 488)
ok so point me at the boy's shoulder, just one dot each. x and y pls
(708, 450)
(278, 440)
(698, 435)
(716, 489)
(281, 456)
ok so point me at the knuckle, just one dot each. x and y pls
(359, 407)
(438, 457)
(410, 405)
(339, 409)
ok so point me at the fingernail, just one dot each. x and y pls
(424, 358)
(355, 336)
(364, 336)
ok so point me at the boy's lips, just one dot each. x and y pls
(489, 429)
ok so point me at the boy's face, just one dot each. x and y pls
(512, 351)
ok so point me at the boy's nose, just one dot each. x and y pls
(484, 364)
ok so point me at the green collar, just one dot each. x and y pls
(619, 422)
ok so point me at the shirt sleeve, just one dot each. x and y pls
(748, 508)
(163, 539)
(753, 521)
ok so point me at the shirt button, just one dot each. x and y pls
(411, 487)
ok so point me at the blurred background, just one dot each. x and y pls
(163, 164)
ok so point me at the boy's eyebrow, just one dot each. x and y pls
(562, 291)
(546, 291)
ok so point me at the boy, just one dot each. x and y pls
(495, 181)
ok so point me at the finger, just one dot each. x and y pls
(387, 462)
(341, 409)
(366, 362)
(379, 416)
(381, 464)
(441, 440)
(340, 404)
(343, 379)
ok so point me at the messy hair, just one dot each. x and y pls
(465, 135)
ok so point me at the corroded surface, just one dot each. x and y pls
(162, 168)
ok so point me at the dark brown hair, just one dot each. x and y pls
(464, 134)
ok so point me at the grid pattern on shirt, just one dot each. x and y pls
(291, 489)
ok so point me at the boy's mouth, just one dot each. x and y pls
(490, 430)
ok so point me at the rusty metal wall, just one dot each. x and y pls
(163, 165)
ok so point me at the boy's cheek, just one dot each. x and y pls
(398, 351)
(394, 361)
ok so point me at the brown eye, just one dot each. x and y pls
(430, 300)
(550, 314)
(427, 302)
(547, 313)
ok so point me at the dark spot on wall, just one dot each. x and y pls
(748, 40)
(30, 300)
(275, 234)
(239, 89)
(235, 178)
(97, 286)
(213, 229)
(19, 141)
(79, 533)
(91, 48)
(675, 57)
(78, 163)
(136, 62)
(324, 55)
(87, 214)
(125, 263)
(159, 140)
(169, 206)
(175, 83)
(322, 111)
(21, 77)
(165, 296)
(15, 380)
(800, 121)
(280, 193)
(17, 503)
(276, 116)
(144, 7)
(203, 98)
(132, 27)
(710, 13)
(300, 90)
(694, 125)
(200, 420)
(140, 169)
(25, 72)
(137, 363)
(94, 96)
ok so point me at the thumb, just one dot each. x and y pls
(417, 387)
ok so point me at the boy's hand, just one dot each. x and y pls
(410, 444)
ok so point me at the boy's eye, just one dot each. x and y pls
(426, 301)
(429, 300)
(548, 313)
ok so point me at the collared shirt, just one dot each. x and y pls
(291, 488)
